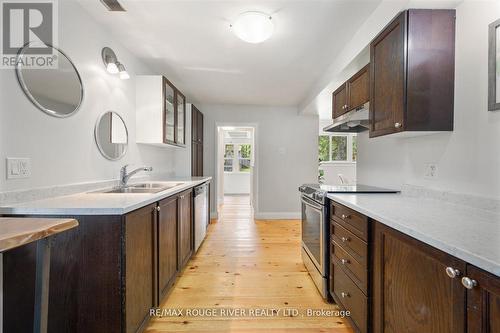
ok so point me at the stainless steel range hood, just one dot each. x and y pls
(354, 121)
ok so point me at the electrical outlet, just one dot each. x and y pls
(18, 168)
(431, 171)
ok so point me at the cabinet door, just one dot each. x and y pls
(339, 101)
(167, 244)
(140, 267)
(387, 78)
(200, 127)
(358, 88)
(180, 127)
(169, 117)
(483, 302)
(411, 290)
(185, 240)
(194, 123)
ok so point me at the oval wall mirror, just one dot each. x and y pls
(111, 135)
(54, 87)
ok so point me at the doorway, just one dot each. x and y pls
(236, 167)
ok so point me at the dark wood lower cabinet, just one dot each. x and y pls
(167, 244)
(411, 290)
(106, 274)
(140, 267)
(483, 302)
(185, 236)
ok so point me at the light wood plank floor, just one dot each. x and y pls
(247, 264)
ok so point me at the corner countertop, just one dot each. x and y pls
(466, 232)
(91, 203)
(15, 232)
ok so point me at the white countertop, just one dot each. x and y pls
(466, 232)
(91, 203)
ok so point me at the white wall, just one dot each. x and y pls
(237, 183)
(286, 153)
(333, 169)
(468, 159)
(63, 150)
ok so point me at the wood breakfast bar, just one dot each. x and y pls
(15, 232)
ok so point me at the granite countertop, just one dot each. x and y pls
(15, 232)
(466, 232)
(92, 203)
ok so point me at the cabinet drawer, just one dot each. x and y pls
(351, 243)
(351, 298)
(351, 220)
(356, 271)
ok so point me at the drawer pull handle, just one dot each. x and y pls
(344, 261)
(345, 217)
(344, 295)
(345, 239)
(469, 283)
(452, 272)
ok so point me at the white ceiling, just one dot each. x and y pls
(190, 42)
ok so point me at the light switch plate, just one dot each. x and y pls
(18, 168)
(431, 171)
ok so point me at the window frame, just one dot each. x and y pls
(349, 153)
(236, 159)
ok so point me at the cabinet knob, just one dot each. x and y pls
(344, 295)
(345, 217)
(397, 125)
(452, 272)
(345, 239)
(344, 261)
(158, 208)
(468, 282)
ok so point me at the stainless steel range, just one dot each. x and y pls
(316, 228)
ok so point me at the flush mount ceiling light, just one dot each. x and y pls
(253, 27)
(113, 66)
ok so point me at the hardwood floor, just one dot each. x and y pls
(248, 265)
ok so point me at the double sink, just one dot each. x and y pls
(150, 187)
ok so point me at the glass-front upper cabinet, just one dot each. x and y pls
(181, 119)
(170, 108)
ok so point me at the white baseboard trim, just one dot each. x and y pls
(278, 215)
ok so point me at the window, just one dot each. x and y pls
(337, 147)
(228, 157)
(240, 162)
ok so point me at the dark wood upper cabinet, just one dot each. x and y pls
(167, 244)
(185, 227)
(411, 289)
(197, 142)
(339, 101)
(412, 65)
(140, 267)
(170, 114)
(483, 302)
(352, 94)
(358, 89)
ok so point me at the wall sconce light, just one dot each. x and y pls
(113, 66)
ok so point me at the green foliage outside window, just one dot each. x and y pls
(324, 148)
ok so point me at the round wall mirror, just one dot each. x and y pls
(111, 135)
(52, 83)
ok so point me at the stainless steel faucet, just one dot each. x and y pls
(125, 176)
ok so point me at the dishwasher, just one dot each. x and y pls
(200, 214)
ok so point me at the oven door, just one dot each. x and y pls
(313, 232)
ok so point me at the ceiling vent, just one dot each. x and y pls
(113, 5)
(238, 134)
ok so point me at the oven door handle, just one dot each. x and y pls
(311, 203)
